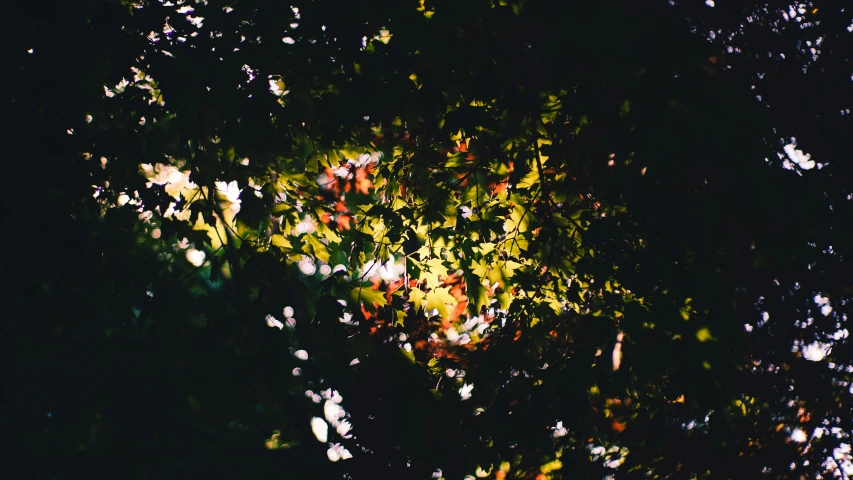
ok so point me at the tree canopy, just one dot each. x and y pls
(431, 239)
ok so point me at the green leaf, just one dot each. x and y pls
(304, 147)
(318, 248)
(368, 297)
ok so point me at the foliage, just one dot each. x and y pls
(505, 239)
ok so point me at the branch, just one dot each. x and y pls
(545, 192)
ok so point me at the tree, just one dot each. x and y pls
(502, 239)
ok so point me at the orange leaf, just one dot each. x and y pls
(344, 222)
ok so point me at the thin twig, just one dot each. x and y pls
(545, 192)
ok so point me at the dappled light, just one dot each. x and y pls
(434, 239)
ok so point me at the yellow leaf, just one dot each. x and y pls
(439, 299)
(279, 241)
(416, 296)
(432, 270)
(551, 466)
(480, 269)
(485, 248)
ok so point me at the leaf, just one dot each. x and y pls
(503, 272)
(416, 296)
(485, 248)
(368, 297)
(439, 299)
(304, 147)
(480, 269)
(318, 248)
(280, 241)
(280, 208)
(432, 271)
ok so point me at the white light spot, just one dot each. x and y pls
(343, 428)
(307, 267)
(465, 391)
(452, 334)
(272, 322)
(337, 452)
(797, 156)
(333, 412)
(816, 351)
(320, 429)
(617, 352)
(195, 257)
(301, 354)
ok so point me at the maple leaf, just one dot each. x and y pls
(438, 300)
(369, 298)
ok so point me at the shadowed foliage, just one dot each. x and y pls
(401, 239)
